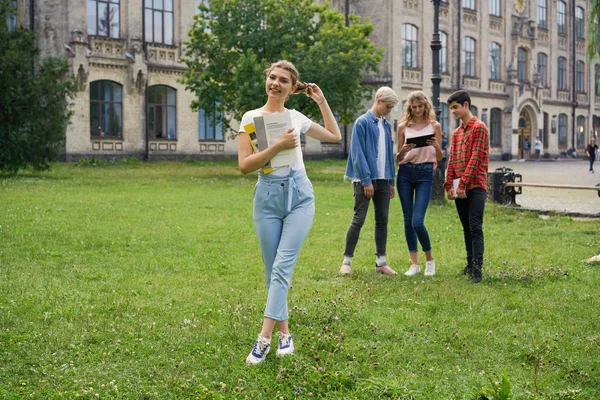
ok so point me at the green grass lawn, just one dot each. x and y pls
(144, 281)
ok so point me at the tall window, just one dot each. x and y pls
(495, 7)
(494, 61)
(209, 127)
(469, 56)
(162, 112)
(158, 20)
(496, 127)
(597, 79)
(474, 110)
(580, 77)
(410, 45)
(444, 119)
(522, 65)
(542, 13)
(444, 53)
(579, 23)
(103, 18)
(469, 4)
(562, 74)
(542, 64)
(561, 16)
(11, 18)
(562, 130)
(580, 131)
(106, 109)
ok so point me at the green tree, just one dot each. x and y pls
(594, 30)
(34, 99)
(233, 42)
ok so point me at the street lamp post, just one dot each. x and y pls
(436, 45)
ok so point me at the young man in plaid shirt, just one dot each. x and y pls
(466, 181)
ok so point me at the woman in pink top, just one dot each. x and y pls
(415, 174)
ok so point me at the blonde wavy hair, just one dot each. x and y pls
(287, 66)
(408, 117)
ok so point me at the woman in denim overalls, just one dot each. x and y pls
(283, 199)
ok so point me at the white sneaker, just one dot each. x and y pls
(345, 270)
(286, 344)
(413, 270)
(259, 351)
(429, 268)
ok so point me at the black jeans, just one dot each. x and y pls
(470, 212)
(592, 158)
(381, 202)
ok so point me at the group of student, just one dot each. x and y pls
(284, 206)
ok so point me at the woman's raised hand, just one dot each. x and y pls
(314, 92)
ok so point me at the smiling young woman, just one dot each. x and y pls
(284, 205)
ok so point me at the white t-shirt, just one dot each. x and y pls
(381, 152)
(301, 124)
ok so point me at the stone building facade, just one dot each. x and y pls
(523, 62)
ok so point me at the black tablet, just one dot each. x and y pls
(420, 141)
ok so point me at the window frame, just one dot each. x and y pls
(164, 106)
(563, 121)
(580, 76)
(496, 127)
(561, 78)
(470, 4)
(579, 23)
(410, 59)
(495, 54)
(218, 131)
(469, 66)
(543, 68)
(522, 55)
(111, 106)
(542, 14)
(580, 135)
(109, 28)
(443, 52)
(152, 23)
(561, 17)
(495, 8)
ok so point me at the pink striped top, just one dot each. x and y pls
(421, 154)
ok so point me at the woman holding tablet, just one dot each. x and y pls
(419, 139)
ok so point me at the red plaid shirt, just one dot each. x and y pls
(469, 156)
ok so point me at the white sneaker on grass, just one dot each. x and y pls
(429, 268)
(413, 270)
(259, 351)
(286, 344)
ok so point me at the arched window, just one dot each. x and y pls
(103, 18)
(542, 64)
(444, 53)
(562, 74)
(561, 16)
(496, 127)
(158, 21)
(542, 13)
(106, 109)
(162, 112)
(579, 23)
(562, 130)
(580, 131)
(522, 64)
(580, 76)
(494, 61)
(469, 56)
(410, 45)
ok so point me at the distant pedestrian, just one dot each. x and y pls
(467, 169)
(526, 146)
(537, 145)
(590, 153)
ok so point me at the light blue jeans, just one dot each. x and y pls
(284, 208)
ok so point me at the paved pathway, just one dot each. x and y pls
(566, 172)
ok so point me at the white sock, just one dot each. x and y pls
(380, 261)
(347, 260)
